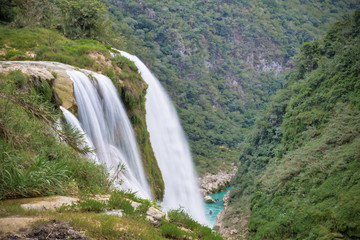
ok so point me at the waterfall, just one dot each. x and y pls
(102, 116)
(171, 148)
(74, 122)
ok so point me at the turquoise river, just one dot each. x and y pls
(213, 209)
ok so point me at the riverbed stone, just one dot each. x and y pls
(209, 199)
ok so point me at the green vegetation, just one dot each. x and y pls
(181, 218)
(218, 59)
(299, 174)
(133, 224)
(43, 44)
(33, 161)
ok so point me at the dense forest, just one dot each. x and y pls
(221, 60)
(299, 174)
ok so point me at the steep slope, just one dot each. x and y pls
(299, 172)
(219, 59)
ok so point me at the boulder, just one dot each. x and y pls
(154, 215)
(64, 88)
(209, 199)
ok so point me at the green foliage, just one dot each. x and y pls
(310, 192)
(91, 205)
(75, 19)
(210, 56)
(118, 201)
(171, 231)
(49, 45)
(33, 162)
(7, 12)
(82, 19)
(39, 177)
(181, 218)
(300, 168)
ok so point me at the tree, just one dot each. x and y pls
(82, 18)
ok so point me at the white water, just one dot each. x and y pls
(103, 118)
(105, 123)
(74, 122)
(171, 148)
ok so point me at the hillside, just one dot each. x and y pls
(299, 172)
(38, 158)
(43, 44)
(220, 60)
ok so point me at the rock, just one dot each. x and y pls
(154, 215)
(209, 199)
(15, 225)
(236, 229)
(35, 72)
(212, 182)
(44, 203)
(226, 198)
(55, 231)
(115, 212)
(63, 87)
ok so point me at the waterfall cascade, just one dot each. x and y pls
(107, 129)
(103, 118)
(170, 147)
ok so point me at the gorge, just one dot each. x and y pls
(267, 93)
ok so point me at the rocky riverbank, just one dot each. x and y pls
(211, 183)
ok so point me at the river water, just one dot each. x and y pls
(215, 208)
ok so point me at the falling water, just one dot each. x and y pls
(74, 122)
(171, 148)
(103, 118)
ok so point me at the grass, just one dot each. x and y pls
(33, 162)
(43, 44)
(313, 190)
(86, 216)
(181, 218)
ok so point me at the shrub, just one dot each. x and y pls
(91, 205)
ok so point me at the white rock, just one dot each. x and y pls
(209, 199)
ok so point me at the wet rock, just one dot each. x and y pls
(209, 199)
(226, 198)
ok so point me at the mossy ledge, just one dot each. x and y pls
(47, 45)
